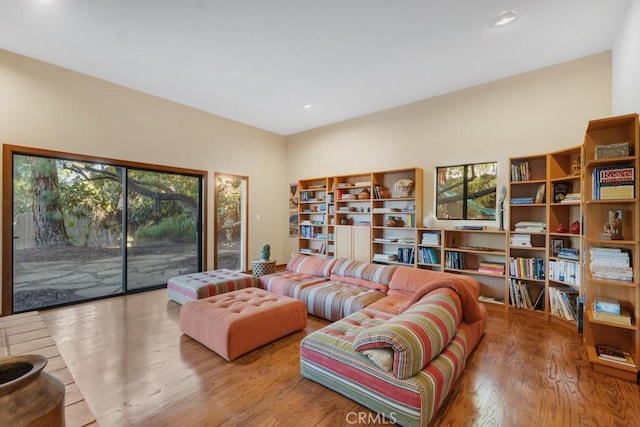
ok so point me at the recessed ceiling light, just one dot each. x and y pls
(307, 106)
(505, 17)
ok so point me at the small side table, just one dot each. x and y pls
(262, 267)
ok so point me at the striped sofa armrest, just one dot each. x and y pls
(416, 336)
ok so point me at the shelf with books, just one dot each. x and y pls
(396, 214)
(429, 248)
(315, 215)
(612, 237)
(481, 254)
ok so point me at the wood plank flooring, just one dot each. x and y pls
(135, 368)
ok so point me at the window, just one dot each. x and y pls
(84, 228)
(466, 191)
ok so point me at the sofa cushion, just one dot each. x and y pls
(334, 300)
(373, 276)
(289, 283)
(416, 336)
(313, 266)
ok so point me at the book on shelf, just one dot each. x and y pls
(616, 182)
(572, 198)
(530, 227)
(469, 227)
(385, 239)
(560, 191)
(541, 194)
(526, 268)
(611, 264)
(523, 295)
(454, 260)
(606, 305)
(615, 355)
(565, 271)
(624, 318)
(563, 302)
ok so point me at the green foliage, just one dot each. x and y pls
(179, 228)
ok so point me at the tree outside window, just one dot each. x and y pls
(466, 192)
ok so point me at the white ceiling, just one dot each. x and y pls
(259, 61)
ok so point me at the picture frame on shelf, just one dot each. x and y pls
(613, 226)
(556, 246)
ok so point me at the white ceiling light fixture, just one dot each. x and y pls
(504, 18)
(307, 106)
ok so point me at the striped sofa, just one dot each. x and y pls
(400, 336)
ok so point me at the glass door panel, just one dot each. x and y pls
(67, 233)
(163, 223)
(231, 222)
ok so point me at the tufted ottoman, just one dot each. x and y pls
(237, 322)
(194, 286)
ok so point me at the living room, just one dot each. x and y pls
(538, 111)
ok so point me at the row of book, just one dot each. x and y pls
(610, 264)
(565, 271)
(405, 255)
(427, 256)
(525, 295)
(615, 182)
(454, 260)
(520, 172)
(563, 302)
(526, 268)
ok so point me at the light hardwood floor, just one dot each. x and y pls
(135, 368)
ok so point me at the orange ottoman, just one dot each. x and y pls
(237, 322)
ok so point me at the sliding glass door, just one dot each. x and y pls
(84, 230)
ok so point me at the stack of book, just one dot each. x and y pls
(609, 310)
(522, 200)
(385, 257)
(523, 240)
(431, 239)
(490, 267)
(611, 264)
(615, 355)
(569, 253)
(530, 227)
(571, 198)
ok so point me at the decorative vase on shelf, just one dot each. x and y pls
(344, 220)
(430, 220)
(575, 227)
(561, 228)
(399, 222)
(28, 395)
(364, 194)
(391, 222)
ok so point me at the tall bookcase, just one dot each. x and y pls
(315, 216)
(604, 149)
(528, 243)
(396, 215)
(564, 235)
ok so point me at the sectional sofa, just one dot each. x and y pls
(400, 336)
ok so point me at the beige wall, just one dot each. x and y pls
(536, 112)
(48, 107)
(625, 64)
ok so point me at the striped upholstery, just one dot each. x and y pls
(288, 283)
(195, 286)
(335, 300)
(375, 276)
(416, 336)
(312, 266)
(328, 358)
